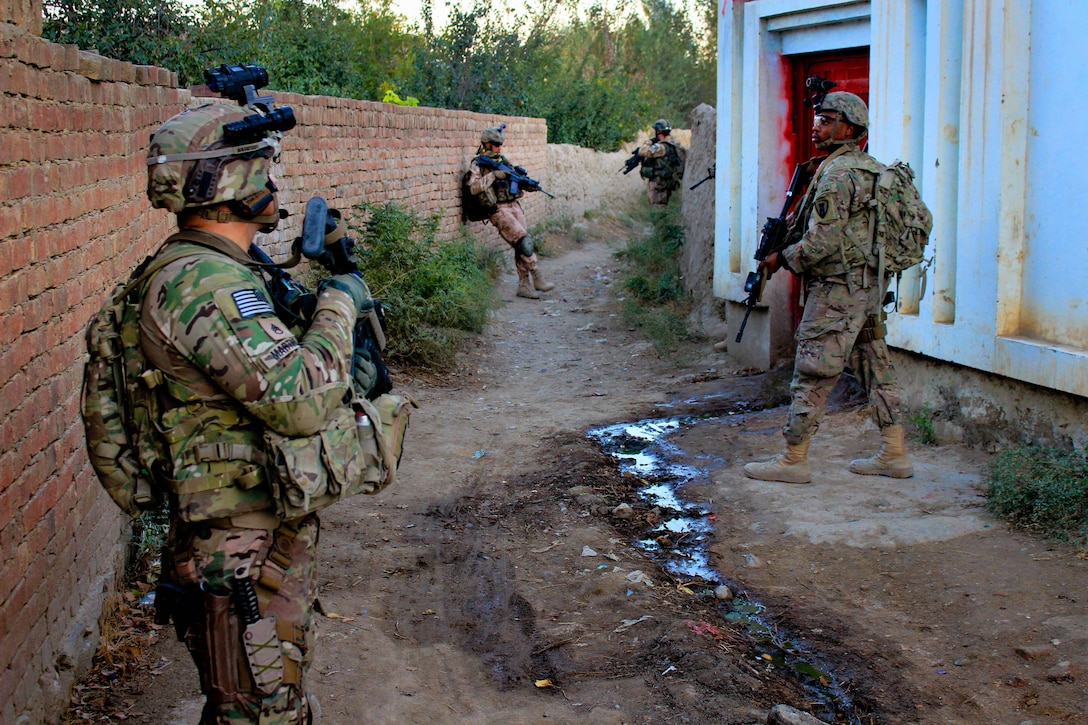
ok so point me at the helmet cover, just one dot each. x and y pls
(850, 106)
(190, 165)
(492, 135)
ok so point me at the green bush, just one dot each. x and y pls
(597, 75)
(1042, 490)
(433, 293)
(653, 265)
(651, 276)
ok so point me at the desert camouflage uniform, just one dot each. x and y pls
(508, 217)
(230, 369)
(841, 292)
(659, 188)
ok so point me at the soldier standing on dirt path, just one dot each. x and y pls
(227, 373)
(492, 189)
(662, 164)
(843, 321)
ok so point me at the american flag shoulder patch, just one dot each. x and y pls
(251, 303)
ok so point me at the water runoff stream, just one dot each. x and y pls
(680, 543)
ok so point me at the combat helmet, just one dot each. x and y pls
(663, 125)
(850, 106)
(493, 135)
(192, 166)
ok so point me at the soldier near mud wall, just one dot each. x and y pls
(662, 164)
(489, 181)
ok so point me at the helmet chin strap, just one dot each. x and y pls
(267, 222)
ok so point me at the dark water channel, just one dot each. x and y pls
(681, 544)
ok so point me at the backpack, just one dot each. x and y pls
(669, 168)
(471, 208)
(118, 405)
(899, 221)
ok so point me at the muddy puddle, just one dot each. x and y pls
(681, 544)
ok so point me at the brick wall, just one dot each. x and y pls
(27, 14)
(74, 221)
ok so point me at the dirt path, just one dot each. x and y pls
(451, 595)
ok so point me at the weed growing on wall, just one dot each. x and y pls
(1042, 490)
(434, 293)
(924, 430)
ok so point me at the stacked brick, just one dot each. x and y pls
(74, 220)
(352, 151)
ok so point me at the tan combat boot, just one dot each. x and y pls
(525, 286)
(788, 467)
(892, 461)
(540, 284)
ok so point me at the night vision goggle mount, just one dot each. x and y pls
(240, 83)
(818, 88)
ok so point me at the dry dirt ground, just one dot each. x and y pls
(451, 597)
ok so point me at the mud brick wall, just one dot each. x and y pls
(74, 220)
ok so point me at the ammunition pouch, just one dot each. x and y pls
(356, 452)
(876, 328)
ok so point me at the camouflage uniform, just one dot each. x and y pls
(662, 183)
(508, 217)
(841, 293)
(231, 369)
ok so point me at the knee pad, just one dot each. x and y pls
(524, 246)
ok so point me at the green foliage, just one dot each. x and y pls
(145, 32)
(389, 95)
(433, 293)
(653, 269)
(597, 76)
(651, 275)
(923, 426)
(310, 46)
(147, 537)
(1042, 490)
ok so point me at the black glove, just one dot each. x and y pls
(367, 367)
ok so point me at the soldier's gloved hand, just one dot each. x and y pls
(355, 287)
(500, 174)
(363, 371)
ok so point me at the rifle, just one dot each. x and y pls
(294, 304)
(323, 240)
(632, 163)
(774, 237)
(516, 175)
(709, 175)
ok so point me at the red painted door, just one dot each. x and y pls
(849, 69)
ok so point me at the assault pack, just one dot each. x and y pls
(670, 167)
(471, 208)
(899, 221)
(119, 406)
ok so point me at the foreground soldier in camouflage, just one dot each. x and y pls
(492, 189)
(843, 322)
(229, 372)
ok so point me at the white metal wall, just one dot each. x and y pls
(987, 100)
